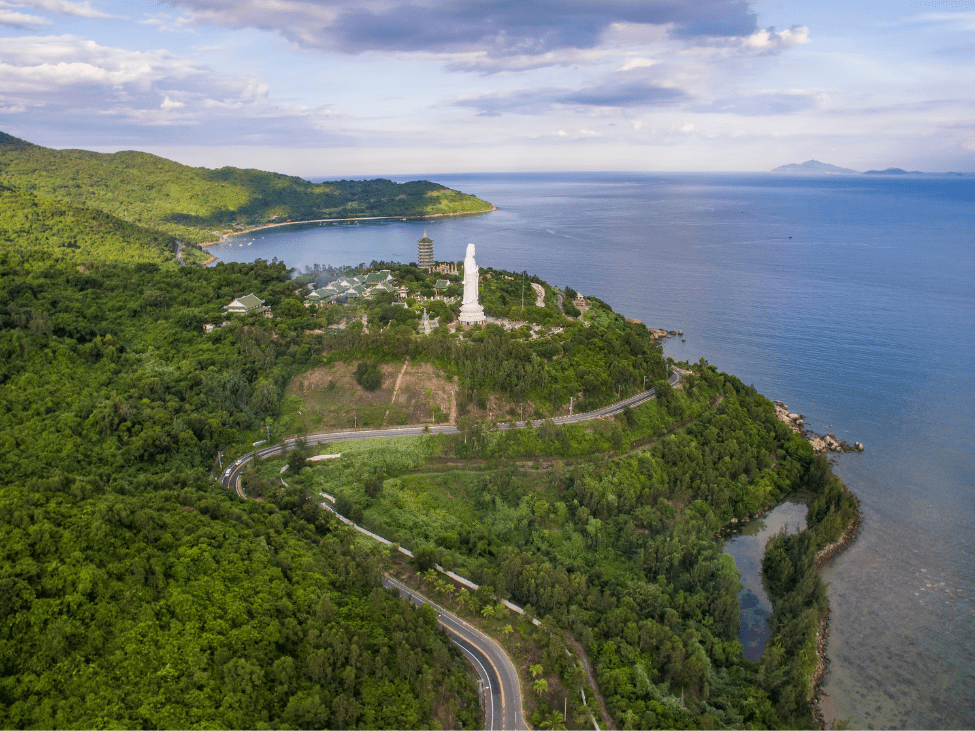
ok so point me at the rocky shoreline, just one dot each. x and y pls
(821, 443)
(823, 559)
(658, 334)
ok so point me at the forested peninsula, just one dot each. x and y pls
(196, 205)
(136, 591)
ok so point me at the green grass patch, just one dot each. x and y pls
(327, 410)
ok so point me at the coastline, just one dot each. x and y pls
(225, 236)
(823, 559)
(826, 555)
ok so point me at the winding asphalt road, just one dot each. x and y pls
(501, 690)
(231, 476)
(499, 679)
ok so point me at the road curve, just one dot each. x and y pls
(231, 476)
(499, 679)
(497, 674)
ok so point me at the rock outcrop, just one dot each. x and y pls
(659, 334)
(821, 443)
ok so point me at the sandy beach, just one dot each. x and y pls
(228, 234)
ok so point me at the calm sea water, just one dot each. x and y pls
(850, 298)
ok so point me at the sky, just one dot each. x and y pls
(322, 88)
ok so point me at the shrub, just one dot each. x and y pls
(368, 375)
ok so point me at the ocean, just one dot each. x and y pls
(850, 298)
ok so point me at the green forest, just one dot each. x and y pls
(137, 592)
(610, 531)
(196, 204)
(40, 232)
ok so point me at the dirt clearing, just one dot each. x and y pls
(329, 398)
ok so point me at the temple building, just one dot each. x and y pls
(249, 304)
(362, 286)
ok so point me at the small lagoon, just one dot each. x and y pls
(746, 544)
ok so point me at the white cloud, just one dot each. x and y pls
(491, 75)
(169, 24)
(582, 134)
(110, 92)
(770, 41)
(634, 34)
(65, 7)
(489, 63)
(765, 103)
(43, 65)
(608, 94)
(638, 63)
(12, 109)
(964, 20)
(500, 29)
(16, 19)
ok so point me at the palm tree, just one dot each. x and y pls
(540, 687)
(554, 721)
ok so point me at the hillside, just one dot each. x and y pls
(134, 592)
(138, 592)
(41, 231)
(195, 204)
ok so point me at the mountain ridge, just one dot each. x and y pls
(197, 204)
(813, 167)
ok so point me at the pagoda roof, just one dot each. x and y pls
(248, 302)
(378, 277)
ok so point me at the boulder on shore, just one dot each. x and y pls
(821, 443)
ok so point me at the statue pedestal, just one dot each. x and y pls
(472, 314)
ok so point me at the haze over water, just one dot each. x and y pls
(851, 298)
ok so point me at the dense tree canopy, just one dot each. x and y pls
(38, 232)
(190, 202)
(617, 542)
(173, 607)
(135, 592)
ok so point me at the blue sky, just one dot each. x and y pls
(394, 87)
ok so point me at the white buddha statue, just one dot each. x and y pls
(471, 311)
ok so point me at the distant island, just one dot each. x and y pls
(815, 167)
(893, 171)
(812, 167)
